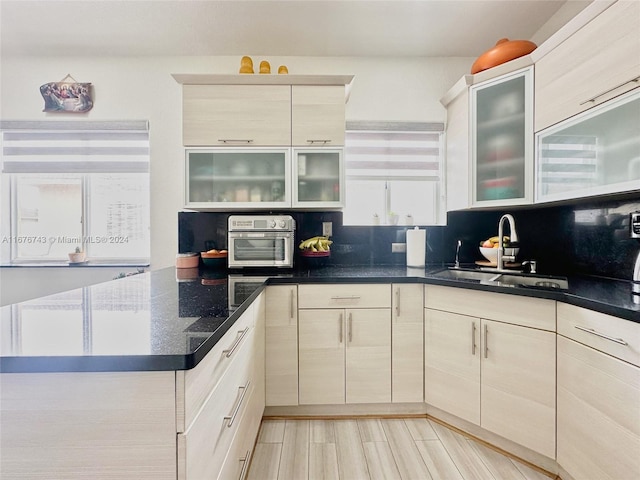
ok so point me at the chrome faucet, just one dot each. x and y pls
(502, 258)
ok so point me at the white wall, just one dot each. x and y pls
(395, 89)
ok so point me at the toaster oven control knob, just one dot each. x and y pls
(282, 224)
(272, 224)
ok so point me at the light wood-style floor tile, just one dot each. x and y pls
(294, 460)
(530, 473)
(371, 430)
(352, 464)
(271, 431)
(405, 451)
(265, 462)
(500, 466)
(420, 429)
(438, 461)
(322, 431)
(382, 465)
(323, 461)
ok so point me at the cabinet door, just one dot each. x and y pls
(238, 178)
(321, 353)
(565, 79)
(368, 356)
(502, 140)
(598, 414)
(281, 349)
(452, 363)
(317, 115)
(594, 153)
(407, 343)
(518, 394)
(255, 115)
(318, 178)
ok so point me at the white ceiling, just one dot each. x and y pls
(263, 27)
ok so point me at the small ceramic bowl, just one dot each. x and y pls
(215, 260)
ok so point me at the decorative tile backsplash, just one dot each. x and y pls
(587, 237)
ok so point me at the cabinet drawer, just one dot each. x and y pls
(612, 335)
(194, 386)
(526, 311)
(344, 296)
(203, 447)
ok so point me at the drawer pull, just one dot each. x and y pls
(473, 338)
(241, 335)
(234, 140)
(486, 343)
(341, 328)
(291, 305)
(245, 465)
(350, 327)
(232, 418)
(593, 99)
(398, 302)
(619, 341)
(322, 141)
(347, 297)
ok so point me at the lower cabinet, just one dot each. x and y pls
(598, 395)
(497, 373)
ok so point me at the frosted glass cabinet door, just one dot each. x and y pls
(238, 178)
(318, 179)
(596, 152)
(502, 140)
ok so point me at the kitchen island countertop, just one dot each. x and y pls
(160, 321)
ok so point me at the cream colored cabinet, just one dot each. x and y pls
(236, 115)
(281, 358)
(490, 359)
(407, 343)
(344, 344)
(317, 115)
(318, 177)
(598, 395)
(596, 63)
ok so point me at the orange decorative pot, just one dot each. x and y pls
(504, 51)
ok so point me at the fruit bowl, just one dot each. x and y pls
(491, 254)
(217, 259)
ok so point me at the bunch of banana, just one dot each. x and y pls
(316, 244)
(493, 242)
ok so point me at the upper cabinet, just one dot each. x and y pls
(317, 115)
(236, 115)
(599, 61)
(502, 140)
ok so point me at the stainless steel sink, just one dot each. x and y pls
(504, 279)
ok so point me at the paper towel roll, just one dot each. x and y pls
(416, 247)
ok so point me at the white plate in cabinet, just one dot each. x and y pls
(317, 115)
(236, 115)
(194, 386)
(598, 414)
(597, 63)
(203, 447)
(344, 296)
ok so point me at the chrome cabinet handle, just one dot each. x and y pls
(619, 341)
(347, 297)
(230, 351)
(245, 465)
(593, 99)
(350, 327)
(341, 327)
(291, 305)
(398, 302)
(231, 418)
(321, 140)
(473, 338)
(235, 140)
(486, 346)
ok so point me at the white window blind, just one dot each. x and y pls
(75, 147)
(394, 168)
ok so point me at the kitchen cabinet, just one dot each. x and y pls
(281, 349)
(598, 62)
(501, 139)
(238, 178)
(344, 341)
(598, 395)
(490, 360)
(318, 177)
(407, 343)
(227, 115)
(317, 115)
(593, 153)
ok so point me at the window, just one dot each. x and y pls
(394, 173)
(75, 184)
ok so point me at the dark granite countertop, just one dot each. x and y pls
(166, 320)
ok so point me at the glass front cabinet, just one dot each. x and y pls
(502, 140)
(593, 153)
(249, 178)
